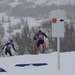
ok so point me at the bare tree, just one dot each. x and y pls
(10, 29)
(24, 40)
(2, 31)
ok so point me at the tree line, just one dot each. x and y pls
(24, 40)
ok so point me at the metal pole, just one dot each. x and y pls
(58, 49)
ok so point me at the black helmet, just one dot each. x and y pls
(40, 31)
(11, 40)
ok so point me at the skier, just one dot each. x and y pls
(38, 40)
(8, 47)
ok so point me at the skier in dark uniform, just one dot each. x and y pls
(38, 40)
(8, 47)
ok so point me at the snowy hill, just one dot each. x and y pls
(67, 65)
(34, 8)
(58, 2)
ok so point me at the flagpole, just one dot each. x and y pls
(58, 49)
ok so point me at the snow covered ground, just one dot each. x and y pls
(67, 64)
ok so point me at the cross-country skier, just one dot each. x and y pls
(8, 47)
(39, 40)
